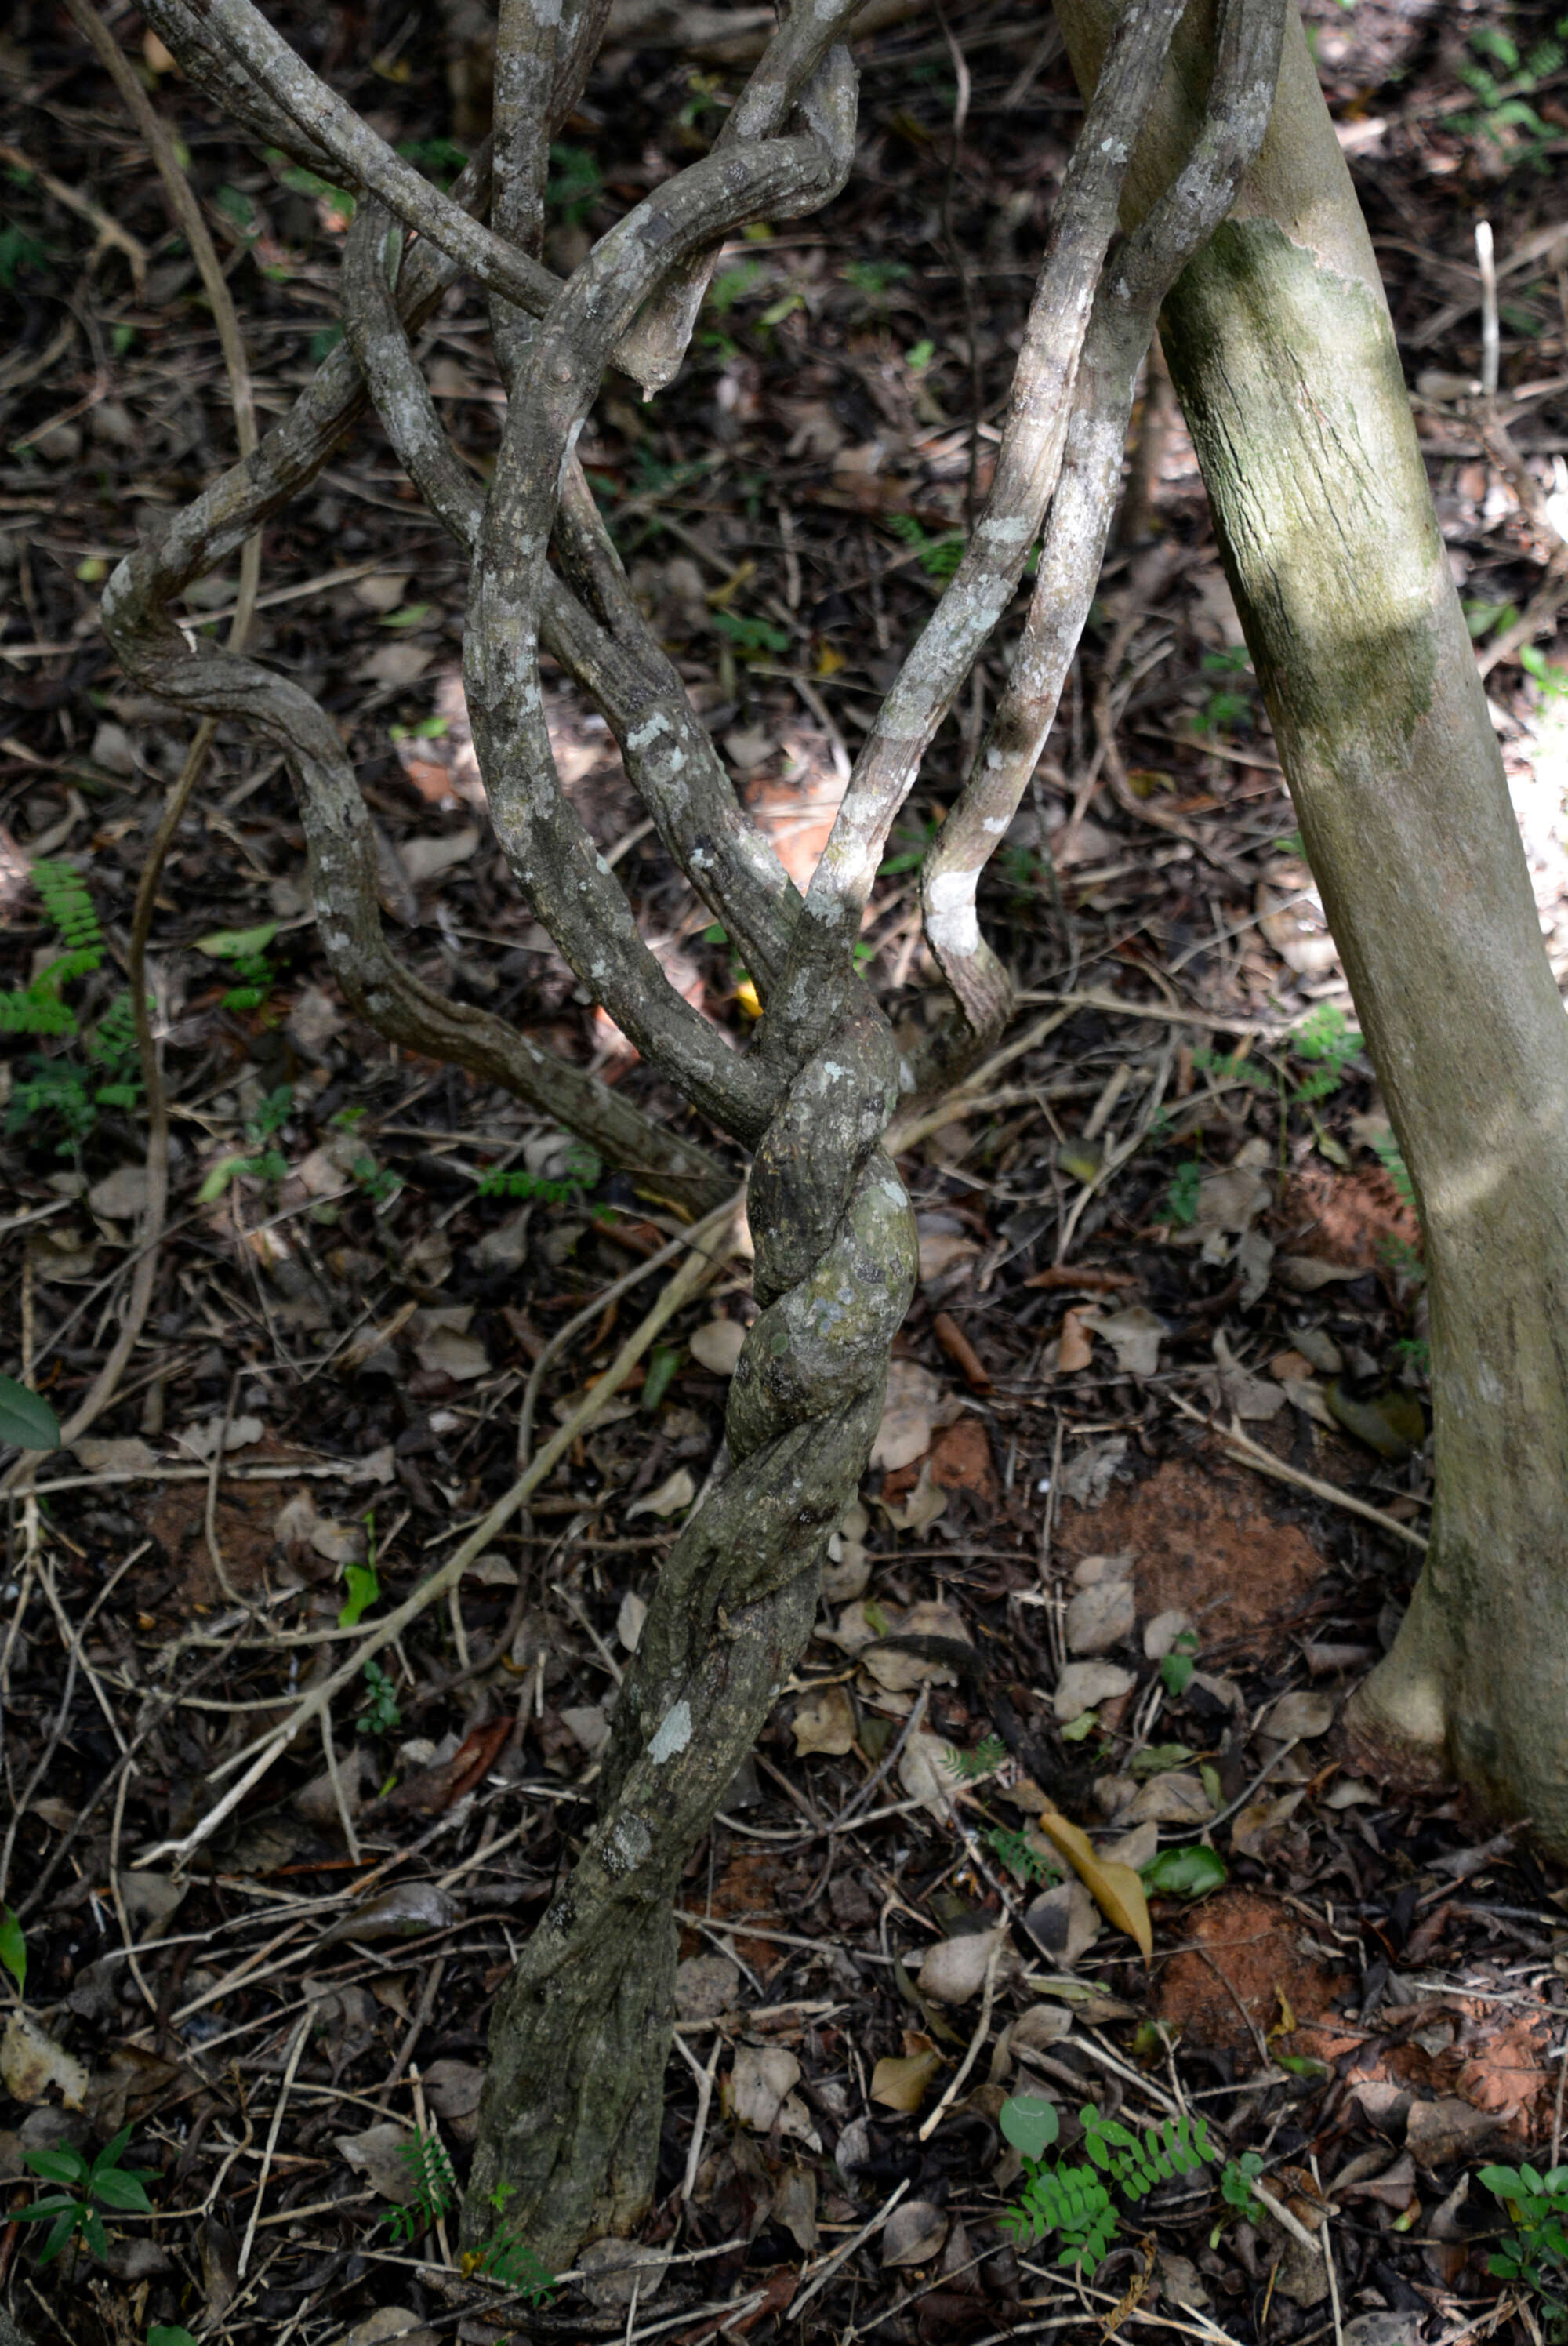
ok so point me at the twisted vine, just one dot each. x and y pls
(570, 2119)
(574, 2092)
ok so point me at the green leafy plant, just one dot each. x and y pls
(363, 1584)
(246, 951)
(1019, 1856)
(168, 2334)
(27, 1421)
(435, 2186)
(970, 1766)
(750, 635)
(1504, 79)
(1236, 2185)
(1190, 1872)
(939, 556)
(1534, 2252)
(1226, 705)
(1080, 2203)
(13, 1948)
(512, 2264)
(261, 1161)
(663, 1362)
(581, 1172)
(1177, 1665)
(1391, 1156)
(72, 2213)
(72, 1091)
(874, 278)
(1328, 1042)
(1181, 1198)
(380, 1714)
(574, 184)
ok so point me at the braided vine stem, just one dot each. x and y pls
(569, 2124)
(574, 2093)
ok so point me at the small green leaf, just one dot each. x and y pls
(121, 2188)
(27, 1421)
(1030, 2123)
(233, 945)
(663, 1362)
(217, 1180)
(1185, 1873)
(62, 2165)
(168, 2334)
(13, 1948)
(364, 1590)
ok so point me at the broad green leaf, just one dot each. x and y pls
(1030, 2123)
(233, 945)
(13, 1948)
(220, 1178)
(62, 2165)
(364, 1590)
(52, 2206)
(122, 2190)
(1185, 1873)
(168, 2334)
(26, 1419)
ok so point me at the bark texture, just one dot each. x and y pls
(1282, 351)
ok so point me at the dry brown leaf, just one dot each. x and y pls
(1115, 1888)
(900, 2081)
(825, 1723)
(675, 1493)
(30, 2063)
(1077, 1346)
(904, 1434)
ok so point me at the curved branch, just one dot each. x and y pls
(653, 348)
(1027, 466)
(575, 892)
(1246, 66)
(619, 663)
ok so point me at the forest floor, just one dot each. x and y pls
(1153, 1481)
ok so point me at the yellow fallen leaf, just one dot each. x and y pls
(1115, 1889)
(748, 998)
(899, 2081)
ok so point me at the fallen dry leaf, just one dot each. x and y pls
(1077, 1348)
(904, 1434)
(1115, 1888)
(900, 2080)
(675, 1493)
(825, 1723)
(1134, 1335)
(30, 2063)
(913, 2233)
(762, 2075)
(717, 1345)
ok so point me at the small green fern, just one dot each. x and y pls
(1080, 2203)
(71, 1092)
(435, 2186)
(970, 1766)
(938, 556)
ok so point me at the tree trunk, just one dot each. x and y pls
(1281, 349)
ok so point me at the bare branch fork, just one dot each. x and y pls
(574, 2094)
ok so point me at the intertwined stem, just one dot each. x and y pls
(570, 2119)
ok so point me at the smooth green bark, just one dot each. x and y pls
(1281, 349)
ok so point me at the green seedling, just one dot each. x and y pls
(1177, 1665)
(1534, 2252)
(13, 1948)
(72, 2213)
(104, 1071)
(363, 1584)
(381, 1715)
(1084, 2204)
(970, 1766)
(261, 1161)
(939, 556)
(435, 2187)
(26, 1421)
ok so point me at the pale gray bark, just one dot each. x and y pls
(1282, 351)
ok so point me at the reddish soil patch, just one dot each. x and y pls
(749, 1885)
(1245, 1951)
(1202, 1539)
(244, 1522)
(1345, 1217)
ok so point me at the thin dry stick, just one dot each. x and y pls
(712, 1243)
(187, 214)
(841, 2255)
(295, 2050)
(705, 2077)
(1252, 1454)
